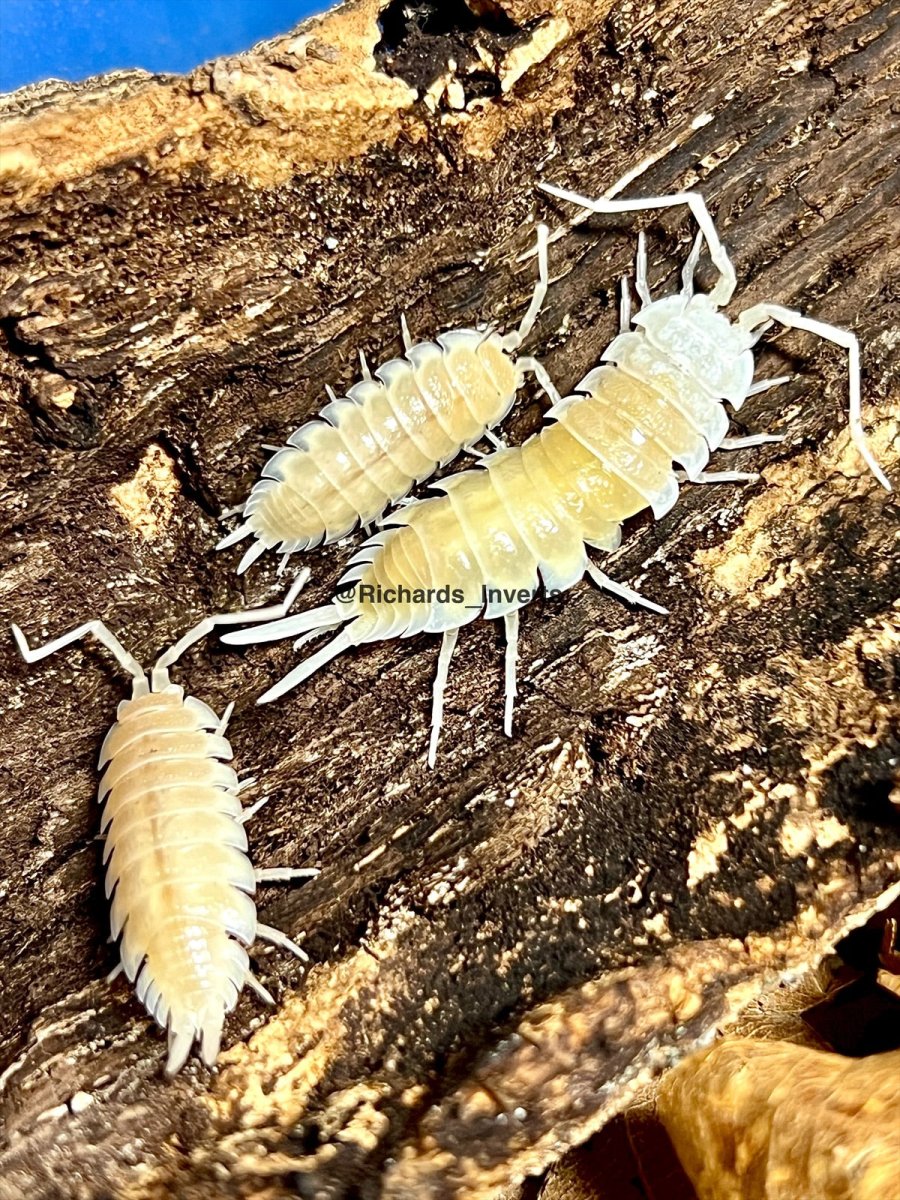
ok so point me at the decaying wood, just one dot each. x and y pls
(772, 1119)
(771, 1111)
(734, 1112)
(506, 947)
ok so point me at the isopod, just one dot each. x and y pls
(529, 513)
(388, 433)
(177, 871)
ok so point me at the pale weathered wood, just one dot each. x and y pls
(770, 1118)
(504, 947)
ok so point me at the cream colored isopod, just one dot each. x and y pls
(177, 870)
(391, 431)
(526, 518)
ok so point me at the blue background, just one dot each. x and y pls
(71, 39)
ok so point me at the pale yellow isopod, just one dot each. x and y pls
(391, 431)
(177, 873)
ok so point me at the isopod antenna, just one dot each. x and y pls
(159, 674)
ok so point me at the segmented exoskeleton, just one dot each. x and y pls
(177, 870)
(389, 432)
(529, 514)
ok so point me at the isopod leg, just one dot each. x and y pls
(641, 286)
(756, 439)
(264, 994)
(224, 719)
(364, 366)
(725, 285)
(90, 628)
(719, 477)
(268, 934)
(625, 306)
(511, 621)
(405, 334)
(268, 613)
(690, 266)
(285, 874)
(448, 644)
(539, 371)
(759, 314)
(249, 813)
(514, 339)
(752, 439)
(764, 385)
(625, 593)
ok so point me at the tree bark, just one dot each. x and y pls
(691, 807)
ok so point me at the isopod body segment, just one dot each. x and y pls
(178, 877)
(391, 431)
(527, 516)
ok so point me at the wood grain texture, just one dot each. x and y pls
(506, 947)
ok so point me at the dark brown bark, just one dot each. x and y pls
(505, 947)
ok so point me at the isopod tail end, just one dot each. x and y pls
(256, 550)
(227, 513)
(331, 650)
(180, 1044)
(313, 619)
(237, 535)
(211, 1038)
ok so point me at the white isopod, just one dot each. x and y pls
(389, 432)
(177, 870)
(528, 514)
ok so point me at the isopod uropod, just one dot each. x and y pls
(177, 870)
(529, 512)
(388, 433)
